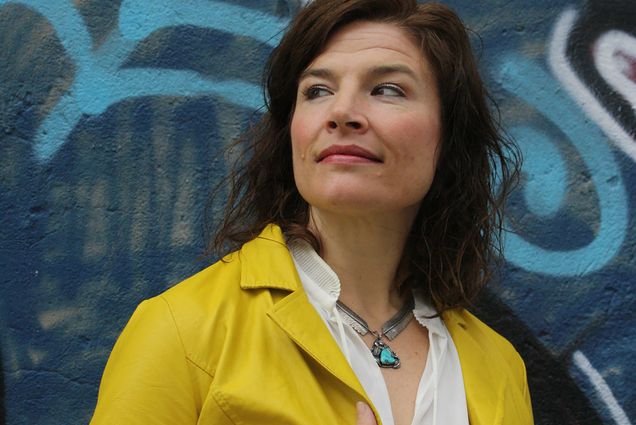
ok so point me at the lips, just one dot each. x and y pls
(352, 151)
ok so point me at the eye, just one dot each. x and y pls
(388, 89)
(315, 91)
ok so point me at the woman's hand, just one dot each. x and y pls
(365, 414)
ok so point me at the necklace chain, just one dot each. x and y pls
(383, 354)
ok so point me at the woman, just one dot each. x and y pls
(364, 222)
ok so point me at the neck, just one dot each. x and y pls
(366, 255)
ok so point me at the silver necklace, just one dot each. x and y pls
(382, 353)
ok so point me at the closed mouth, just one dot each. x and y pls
(347, 150)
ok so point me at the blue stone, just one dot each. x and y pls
(387, 357)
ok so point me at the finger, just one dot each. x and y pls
(365, 414)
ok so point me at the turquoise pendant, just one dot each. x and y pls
(384, 356)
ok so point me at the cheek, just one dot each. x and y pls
(417, 138)
(300, 140)
(417, 143)
(300, 135)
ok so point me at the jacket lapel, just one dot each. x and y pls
(267, 263)
(298, 319)
(483, 382)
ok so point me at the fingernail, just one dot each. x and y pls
(360, 408)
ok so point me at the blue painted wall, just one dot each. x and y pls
(112, 118)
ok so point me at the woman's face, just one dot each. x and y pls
(366, 128)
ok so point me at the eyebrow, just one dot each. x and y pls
(317, 72)
(382, 70)
(377, 71)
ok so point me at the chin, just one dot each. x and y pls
(358, 199)
(356, 205)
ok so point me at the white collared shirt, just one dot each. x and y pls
(441, 399)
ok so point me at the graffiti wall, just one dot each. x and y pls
(113, 115)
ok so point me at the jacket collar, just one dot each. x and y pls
(484, 381)
(267, 263)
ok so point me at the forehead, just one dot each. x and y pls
(371, 39)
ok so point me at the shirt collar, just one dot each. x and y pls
(319, 281)
(323, 286)
(423, 312)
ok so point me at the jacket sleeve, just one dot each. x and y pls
(526, 391)
(147, 377)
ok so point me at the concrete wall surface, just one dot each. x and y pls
(112, 118)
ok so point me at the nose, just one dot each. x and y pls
(347, 115)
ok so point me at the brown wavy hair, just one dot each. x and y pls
(455, 237)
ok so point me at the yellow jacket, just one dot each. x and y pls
(239, 343)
